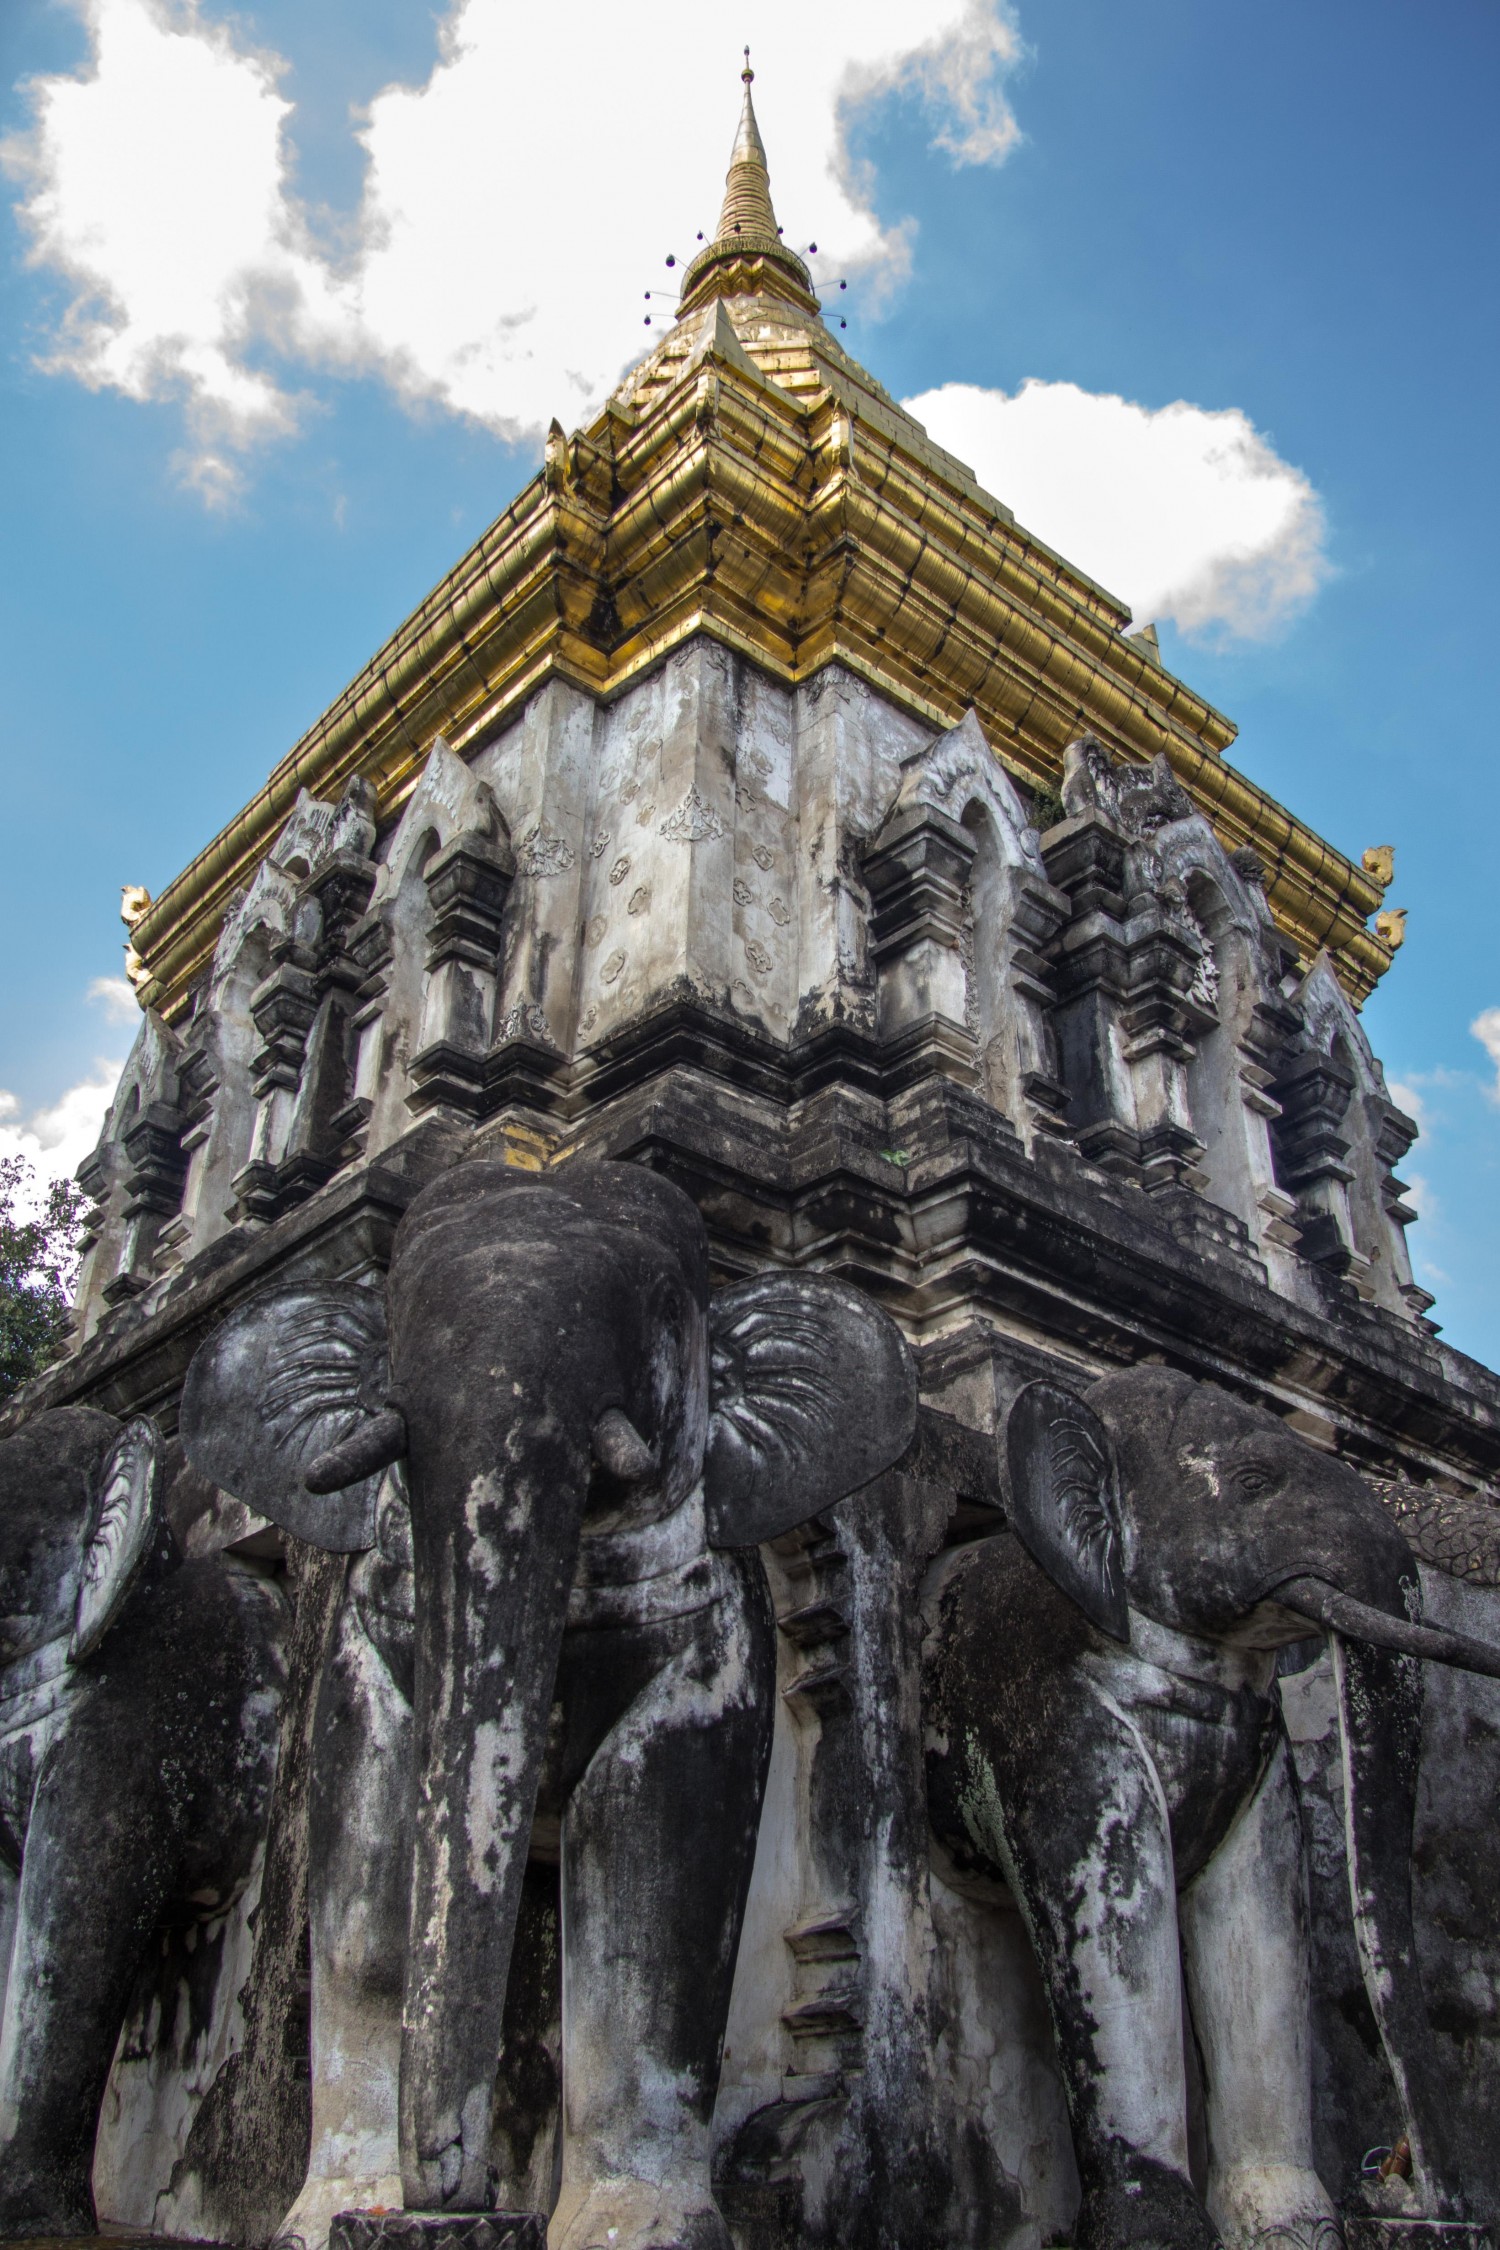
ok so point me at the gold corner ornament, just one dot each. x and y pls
(1390, 927)
(135, 901)
(751, 482)
(1379, 863)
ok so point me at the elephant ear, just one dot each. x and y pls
(125, 1528)
(1065, 1500)
(813, 1393)
(293, 1379)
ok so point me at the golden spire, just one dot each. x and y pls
(747, 256)
(747, 183)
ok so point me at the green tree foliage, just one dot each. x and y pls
(38, 1264)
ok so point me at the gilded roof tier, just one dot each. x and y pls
(751, 481)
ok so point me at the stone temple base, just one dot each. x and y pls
(438, 2230)
(1414, 2234)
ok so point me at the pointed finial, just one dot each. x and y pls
(747, 184)
(747, 233)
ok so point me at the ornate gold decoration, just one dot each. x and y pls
(1390, 927)
(1379, 863)
(751, 482)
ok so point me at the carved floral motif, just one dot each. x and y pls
(693, 822)
(544, 852)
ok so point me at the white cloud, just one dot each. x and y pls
(1420, 1195)
(516, 205)
(56, 1138)
(1406, 1096)
(1183, 512)
(155, 185)
(1486, 1029)
(116, 996)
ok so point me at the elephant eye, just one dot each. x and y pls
(1253, 1482)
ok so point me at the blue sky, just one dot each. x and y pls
(1283, 216)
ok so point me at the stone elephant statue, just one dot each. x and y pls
(139, 1700)
(1104, 1736)
(592, 1446)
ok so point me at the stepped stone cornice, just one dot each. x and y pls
(750, 481)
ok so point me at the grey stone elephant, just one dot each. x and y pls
(1105, 1738)
(592, 1445)
(139, 1697)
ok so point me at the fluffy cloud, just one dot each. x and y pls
(1486, 1029)
(1407, 1096)
(1182, 512)
(515, 206)
(56, 1138)
(115, 996)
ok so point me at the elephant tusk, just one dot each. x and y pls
(369, 1449)
(1360, 1621)
(620, 1448)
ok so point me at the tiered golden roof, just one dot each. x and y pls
(749, 480)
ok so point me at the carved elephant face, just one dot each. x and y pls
(80, 1512)
(554, 1369)
(1155, 1492)
(587, 1288)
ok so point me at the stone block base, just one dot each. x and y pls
(438, 2230)
(1414, 2234)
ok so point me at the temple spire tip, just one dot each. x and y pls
(747, 227)
(747, 184)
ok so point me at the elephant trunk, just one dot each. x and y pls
(1341, 1613)
(1380, 1708)
(371, 1448)
(495, 1542)
(1380, 1690)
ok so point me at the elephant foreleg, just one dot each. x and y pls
(1041, 1775)
(658, 1844)
(359, 1847)
(1244, 1926)
(10, 1899)
(98, 1868)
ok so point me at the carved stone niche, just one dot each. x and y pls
(428, 951)
(1336, 1148)
(468, 883)
(1314, 1091)
(1127, 961)
(962, 915)
(1238, 1024)
(303, 1012)
(134, 1176)
(918, 876)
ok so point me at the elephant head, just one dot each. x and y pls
(553, 1368)
(80, 1520)
(1154, 1496)
(138, 1710)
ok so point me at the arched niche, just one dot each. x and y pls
(429, 945)
(963, 916)
(1237, 1023)
(1374, 1134)
(134, 1175)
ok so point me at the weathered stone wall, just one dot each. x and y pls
(827, 879)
